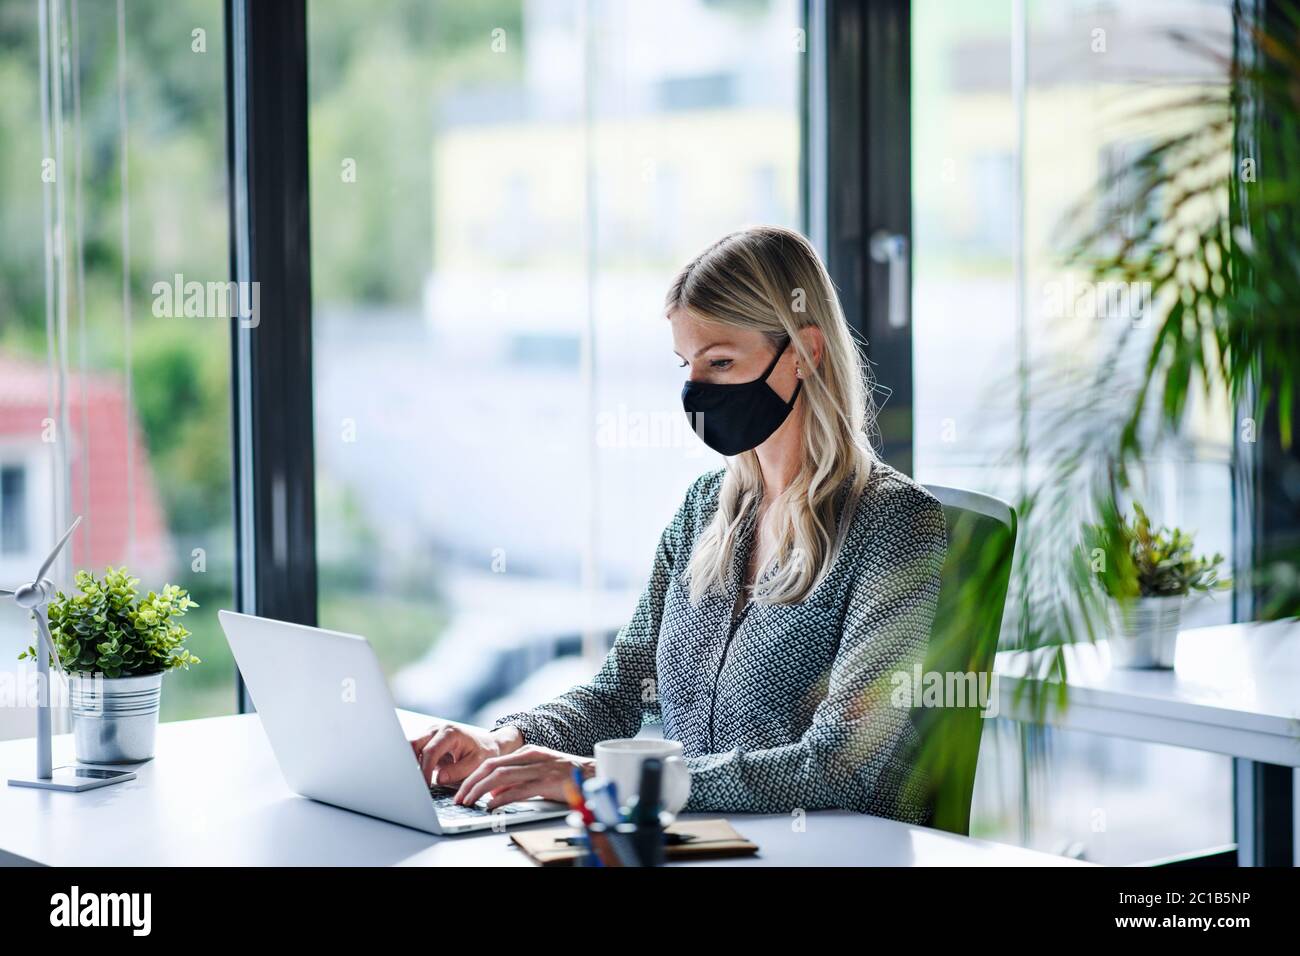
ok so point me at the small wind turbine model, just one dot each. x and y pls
(34, 597)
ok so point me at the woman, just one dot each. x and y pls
(786, 593)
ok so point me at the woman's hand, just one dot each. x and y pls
(448, 752)
(527, 772)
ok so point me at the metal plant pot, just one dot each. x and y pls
(114, 720)
(1145, 633)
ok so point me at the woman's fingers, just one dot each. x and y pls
(497, 772)
(446, 742)
(510, 795)
(417, 743)
(477, 783)
(452, 770)
(498, 778)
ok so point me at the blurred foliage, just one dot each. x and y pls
(182, 398)
(377, 84)
(175, 105)
(377, 79)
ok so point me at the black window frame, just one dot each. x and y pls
(1266, 509)
(271, 361)
(858, 92)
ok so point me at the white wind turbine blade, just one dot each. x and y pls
(43, 628)
(49, 561)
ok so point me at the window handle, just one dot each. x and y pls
(891, 248)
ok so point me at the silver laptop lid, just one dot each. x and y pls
(330, 717)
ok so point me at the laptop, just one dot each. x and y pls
(333, 727)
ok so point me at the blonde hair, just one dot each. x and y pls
(770, 280)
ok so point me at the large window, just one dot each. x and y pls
(501, 193)
(113, 398)
(1009, 137)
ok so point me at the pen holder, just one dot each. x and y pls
(626, 844)
(622, 844)
(582, 840)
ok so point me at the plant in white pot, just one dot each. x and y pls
(115, 646)
(1148, 574)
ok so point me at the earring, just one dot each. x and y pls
(798, 373)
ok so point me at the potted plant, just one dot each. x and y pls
(116, 646)
(1148, 573)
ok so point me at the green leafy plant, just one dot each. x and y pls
(1204, 217)
(1134, 559)
(108, 628)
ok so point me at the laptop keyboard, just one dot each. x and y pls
(447, 809)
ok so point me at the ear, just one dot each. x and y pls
(814, 343)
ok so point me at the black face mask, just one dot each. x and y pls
(735, 418)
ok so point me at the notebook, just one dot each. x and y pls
(704, 838)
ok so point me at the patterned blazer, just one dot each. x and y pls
(781, 706)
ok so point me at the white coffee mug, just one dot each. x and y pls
(620, 761)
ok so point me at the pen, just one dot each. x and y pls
(610, 847)
(576, 801)
(573, 795)
(599, 794)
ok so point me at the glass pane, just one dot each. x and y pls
(501, 194)
(115, 411)
(1098, 80)
(964, 296)
(1102, 799)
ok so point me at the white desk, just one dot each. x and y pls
(214, 796)
(1234, 690)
